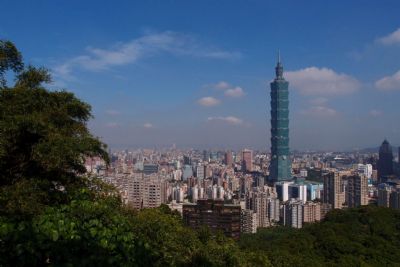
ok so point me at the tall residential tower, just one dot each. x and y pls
(280, 167)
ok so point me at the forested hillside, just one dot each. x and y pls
(367, 236)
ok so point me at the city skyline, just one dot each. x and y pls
(199, 133)
(343, 94)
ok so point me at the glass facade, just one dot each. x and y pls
(280, 166)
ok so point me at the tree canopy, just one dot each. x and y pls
(10, 59)
(366, 236)
(43, 133)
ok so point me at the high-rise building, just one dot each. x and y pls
(293, 213)
(384, 191)
(385, 162)
(200, 171)
(208, 172)
(280, 166)
(187, 160)
(247, 160)
(395, 199)
(273, 210)
(365, 169)
(178, 194)
(357, 191)
(214, 214)
(248, 221)
(195, 193)
(206, 156)
(282, 189)
(213, 156)
(146, 192)
(228, 159)
(333, 190)
(259, 180)
(374, 176)
(258, 202)
(311, 212)
(187, 172)
(314, 190)
(149, 168)
(298, 191)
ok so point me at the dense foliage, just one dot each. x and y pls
(10, 59)
(367, 236)
(89, 232)
(43, 134)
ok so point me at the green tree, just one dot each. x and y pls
(43, 133)
(85, 232)
(10, 59)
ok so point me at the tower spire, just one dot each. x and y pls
(279, 56)
(279, 67)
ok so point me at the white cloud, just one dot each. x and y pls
(393, 38)
(148, 125)
(221, 85)
(389, 82)
(97, 59)
(375, 113)
(319, 101)
(112, 125)
(235, 92)
(320, 111)
(322, 82)
(229, 119)
(112, 112)
(228, 89)
(208, 101)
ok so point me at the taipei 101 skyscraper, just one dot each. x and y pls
(280, 166)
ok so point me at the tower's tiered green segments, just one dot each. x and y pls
(280, 166)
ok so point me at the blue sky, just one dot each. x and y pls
(196, 73)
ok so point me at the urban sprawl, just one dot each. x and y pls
(240, 191)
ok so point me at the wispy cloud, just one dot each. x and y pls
(208, 101)
(235, 92)
(320, 111)
(391, 82)
(112, 112)
(390, 39)
(319, 101)
(229, 119)
(148, 125)
(322, 82)
(375, 113)
(228, 89)
(222, 85)
(112, 125)
(97, 59)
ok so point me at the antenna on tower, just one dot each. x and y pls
(279, 56)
